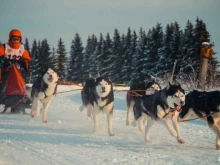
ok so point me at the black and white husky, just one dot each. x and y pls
(139, 90)
(160, 107)
(97, 95)
(206, 106)
(43, 91)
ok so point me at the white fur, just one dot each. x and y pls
(50, 78)
(178, 99)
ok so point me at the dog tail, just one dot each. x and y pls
(27, 89)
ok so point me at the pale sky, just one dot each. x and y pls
(53, 19)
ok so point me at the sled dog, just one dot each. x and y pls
(97, 95)
(43, 91)
(206, 106)
(160, 107)
(138, 90)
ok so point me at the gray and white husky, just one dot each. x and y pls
(161, 107)
(43, 91)
(98, 96)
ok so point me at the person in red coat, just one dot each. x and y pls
(13, 50)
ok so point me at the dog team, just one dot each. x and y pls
(148, 101)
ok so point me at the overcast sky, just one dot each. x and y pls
(53, 19)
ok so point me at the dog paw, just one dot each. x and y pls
(32, 115)
(141, 130)
(217, 147)
(181, 141)
(81, 108)
(44, 121)
(134, 123)
(147, 140)
(127, 122)
(111, 134)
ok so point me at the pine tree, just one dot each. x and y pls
(176, 45)
(75, 66)
(35, 53)
(156, 50)
(87, 64)
(93, 62)
(141, 53)
(127, 57)
(45, 59)
(133, 54)
(106, 52)
(188, 55)
(61, 59)
(115, 58)
(98, 54)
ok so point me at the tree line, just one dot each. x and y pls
(127, 57)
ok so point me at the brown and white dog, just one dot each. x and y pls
(43, 91)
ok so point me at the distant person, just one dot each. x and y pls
(10, 52)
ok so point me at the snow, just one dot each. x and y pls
(67, 138)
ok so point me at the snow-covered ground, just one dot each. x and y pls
(67, 138)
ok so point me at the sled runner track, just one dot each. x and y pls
(46, 155)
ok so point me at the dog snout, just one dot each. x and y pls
(182, 102)
(50, 76)
(103, 88)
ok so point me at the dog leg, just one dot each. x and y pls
(150, 122)
(129, 108)
(145, 120)
(170, 128)
(44, 113)
(95, 114)
(176, 127)
(140, 123)
(35, 106)
(89, 110)
(217, 142)
(109, 119)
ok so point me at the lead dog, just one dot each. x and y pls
(97, 96)
(161, 107)
(43, 91)
(206, 106)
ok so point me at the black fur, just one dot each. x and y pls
(148, 103)
(201, 102)
(89, 95)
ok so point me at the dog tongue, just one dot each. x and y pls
(178, 107)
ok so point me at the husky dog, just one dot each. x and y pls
(97, 95)
(139, 90)
(206, 106)
(160, 107)
(43, 91)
